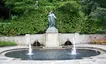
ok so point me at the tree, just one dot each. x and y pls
(88, 6)
(102, 3)
(19, 7)
(4, 11)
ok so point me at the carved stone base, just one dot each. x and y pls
(51, 30)
(52, 39)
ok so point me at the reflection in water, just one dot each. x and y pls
(73, 57)
(29, 57)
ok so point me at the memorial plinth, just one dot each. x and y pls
(52, 39)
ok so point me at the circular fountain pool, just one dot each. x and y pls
(51, 54)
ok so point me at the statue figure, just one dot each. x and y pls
(51, 19)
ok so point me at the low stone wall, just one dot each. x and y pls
(22, 40)
(18, 39)
(79, 39)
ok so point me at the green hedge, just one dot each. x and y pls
(4, 43)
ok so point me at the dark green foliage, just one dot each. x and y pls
(102, 3)
(4, 43)
(88, 6)
(4, 11)
(99, 15)
(84, 16)
(96, 15)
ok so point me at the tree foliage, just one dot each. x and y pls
(83, 16)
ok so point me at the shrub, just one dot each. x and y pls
(4, 43)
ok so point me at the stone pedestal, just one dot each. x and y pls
(52, 39)
(27, 41)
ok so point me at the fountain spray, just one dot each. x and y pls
(29, 46)
(74, 48)
(30, 50)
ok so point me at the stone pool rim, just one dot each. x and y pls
(78, 46)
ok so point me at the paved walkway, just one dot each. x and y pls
(100, 59)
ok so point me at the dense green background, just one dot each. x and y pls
(83, 16)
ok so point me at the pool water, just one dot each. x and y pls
(51, 54)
